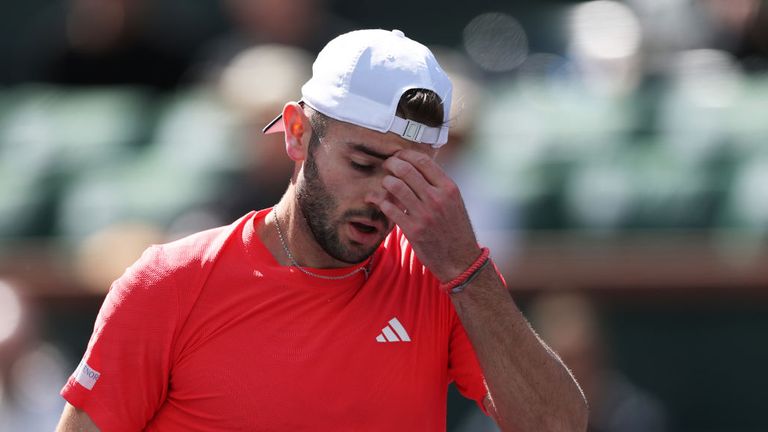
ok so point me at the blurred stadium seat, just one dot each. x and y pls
(571, 159)
(189, 150)
(28, 160)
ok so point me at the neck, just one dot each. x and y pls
(297, 236)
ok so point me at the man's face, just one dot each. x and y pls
(340, 175)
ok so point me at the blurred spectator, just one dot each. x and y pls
(31, 370)
(254, 85)
(568, 322)
(98, 42)
(31, 402)
(104, 255)
(741, 27)
(738, 27)
(305, 24)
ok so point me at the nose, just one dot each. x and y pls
(376, 193)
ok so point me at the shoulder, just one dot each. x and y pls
(194, 251)
(170, 275)
(183, 260)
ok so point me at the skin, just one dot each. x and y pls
(372, 178)
(75, 420)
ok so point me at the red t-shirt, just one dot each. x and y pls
(211, 333)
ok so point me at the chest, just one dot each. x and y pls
(289, 356)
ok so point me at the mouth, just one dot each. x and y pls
(364, 227)
(364, 232)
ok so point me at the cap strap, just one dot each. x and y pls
(415, 131)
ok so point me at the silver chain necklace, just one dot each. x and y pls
(366, 269)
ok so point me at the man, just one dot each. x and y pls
(348, 306)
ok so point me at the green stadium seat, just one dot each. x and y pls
(748, 120)
(529, 138)
(27, 160)
(747, 204)
(50, 134)
(195, 133)
(181, 168)
(95, 126)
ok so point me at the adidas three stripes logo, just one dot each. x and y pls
(394, 332)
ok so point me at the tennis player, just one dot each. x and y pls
(348, 306)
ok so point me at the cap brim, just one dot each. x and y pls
(276, 125)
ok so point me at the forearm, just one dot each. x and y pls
(531, 388)
(75, 420)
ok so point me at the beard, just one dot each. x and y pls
(318, 207)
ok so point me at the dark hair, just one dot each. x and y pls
(421, 105)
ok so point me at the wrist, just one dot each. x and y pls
(457, 284)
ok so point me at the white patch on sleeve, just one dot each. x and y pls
(86, 376)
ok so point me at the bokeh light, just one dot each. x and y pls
(10, 311)
(605, 29)
(496, 41)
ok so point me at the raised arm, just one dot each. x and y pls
(75, 420)
(530, 388)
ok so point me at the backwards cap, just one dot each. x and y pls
(360, 76)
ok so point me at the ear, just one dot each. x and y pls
(297, 131)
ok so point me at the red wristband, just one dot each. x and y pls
(460, 282)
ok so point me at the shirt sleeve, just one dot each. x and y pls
(123, 377)
(463, 367)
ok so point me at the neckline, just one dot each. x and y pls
(261, 256)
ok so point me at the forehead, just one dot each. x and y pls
(384, 143)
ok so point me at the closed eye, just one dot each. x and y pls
(362, 167)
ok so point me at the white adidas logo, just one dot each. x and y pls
(388, 335)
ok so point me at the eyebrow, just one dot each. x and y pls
(364, 149)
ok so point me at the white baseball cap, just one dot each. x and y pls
(360, 76)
